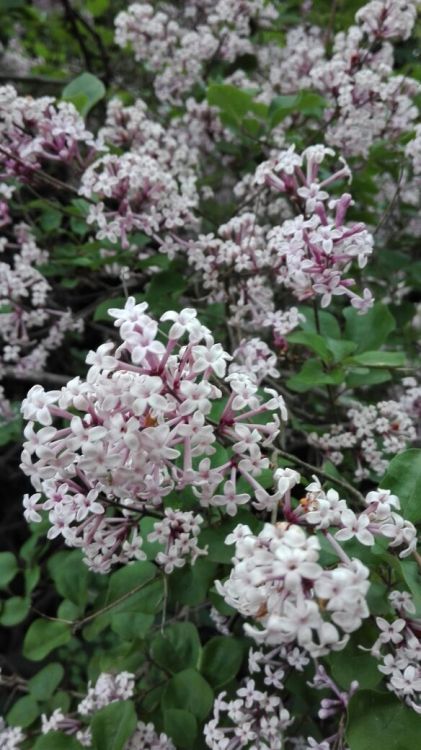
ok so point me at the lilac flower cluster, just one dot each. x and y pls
(257, 721)
(399, 648)
(278, 581)
(375, 432)
(136, 430)
(107, 689)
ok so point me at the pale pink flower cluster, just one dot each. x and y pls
(257, 720)
(374, 433)
(175, 44)
(385, 19)
(399, 648)
(107, 689)
(136, 430)
(413, 150)
(38, 131)
(135, 193)
(247, 264)
(177, 532)
(26, 305)
(146, 738)
(10, 737)
(325, 510)
(277, 580)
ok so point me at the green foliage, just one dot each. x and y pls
(221, 660)
(84, 92)
(113, 725)
(371, 330)
(181, 726)
(189, 691)
(177, 647)
(43, 637)
(8, 568)
(381, 720)
(57, 741)
(403, 478)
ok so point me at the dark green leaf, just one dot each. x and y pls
(221, 660)
(8, 568)
(45, 683)
(14, 610)
(43, 637)
(24, 712)
(371, 330)
(56, 741)
(377, 720)
(181, 726)
(189, 691)
(113, 725)
(403, 478)
(177, 648)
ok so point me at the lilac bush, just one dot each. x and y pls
(210, 409)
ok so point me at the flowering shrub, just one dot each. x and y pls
(209, 409)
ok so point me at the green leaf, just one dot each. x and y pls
(191, 584)
(312, 375)
(306, 102)
(380, 359)
(43, 637)
(377, 720)
(50, 220)
(113, 725)
(188, 690)
(354, 664)
(131, 625)
(371, 330)
(362, 376)
(84, 92)
(135, 578)
(412, 578)
(46, 681)
(24, 712)
(177, 648)
(8, 568)
(326, 322)
(221, 660)
(234, 102)
(311, 341)
(181, 726)
(56, 741)
(403, 478)
(70, 575)
(133, 589)
(14, 610)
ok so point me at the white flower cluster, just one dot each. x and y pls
(257, 721)
(146, 738)
(177, 532)
(399, 647)
(385, 19)
(26, 307)
(136, 430)
(175, 44)
(374, 433)
(141, 193)
(324, 510)
(277, 580)
(38, 131)
(10, 737)
(309, 255)
(107, 689)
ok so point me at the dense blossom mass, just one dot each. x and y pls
(209, 312)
